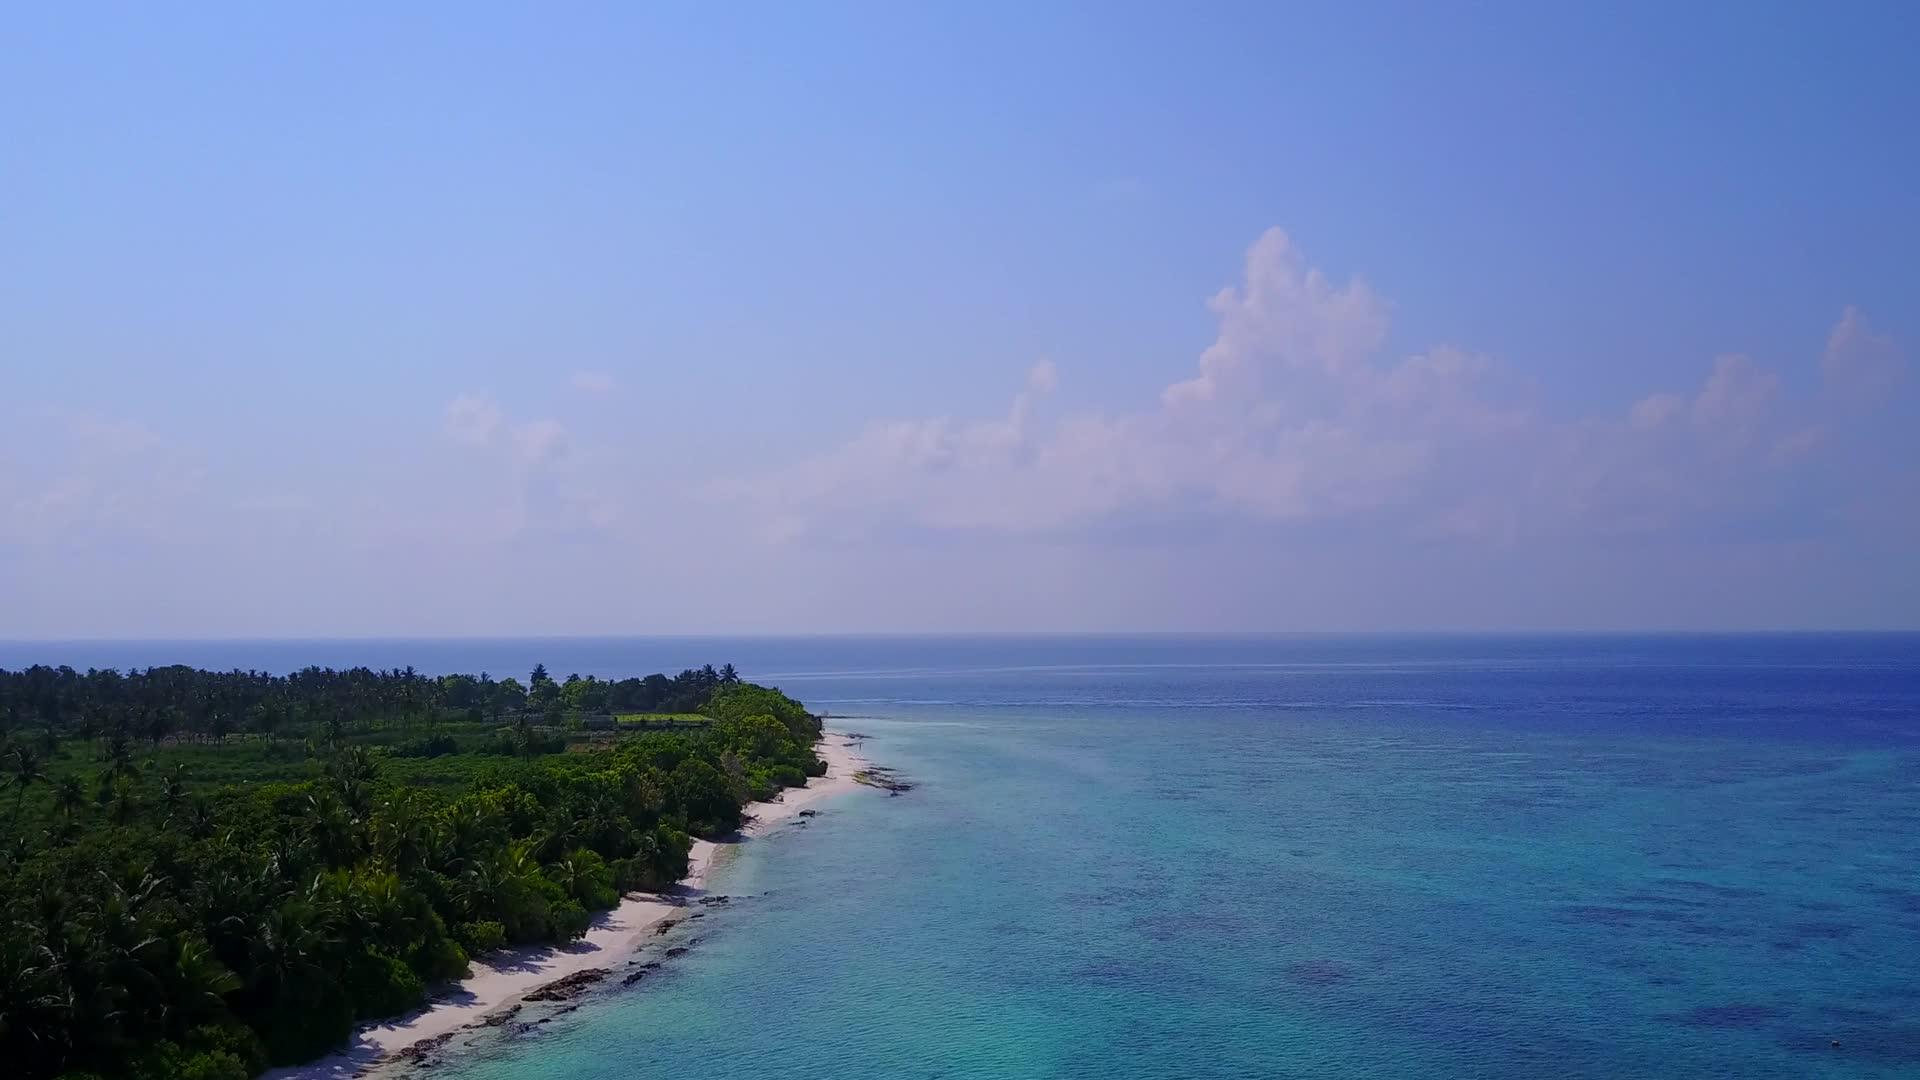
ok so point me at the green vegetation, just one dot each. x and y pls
(662, 720)
(202, 873)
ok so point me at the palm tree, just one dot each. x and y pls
(559, 833)
(199, 818)
(285, 947)
(402, 835)
(123, 802)
(380, 909)
(198, 984)
(69, 796)
(173, 791)
(331, 829)
(31, 1002)
(602, 825)
(25, 770)
(120, 763)
(570, 875)
(646, 852)
(121, 946)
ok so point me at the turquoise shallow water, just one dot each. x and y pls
(1611, 857)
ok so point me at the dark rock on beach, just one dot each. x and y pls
(568, 987)
(420, 1051)
(883, 778)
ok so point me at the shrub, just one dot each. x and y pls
(381, 985)
(588, 879)
(568, 920)
(703, 791)
(231, 1037)
(630, 874)
(760, 786)
(432, 747)
(439, 959)
(171, 1061)
(298, 1030)
(481, 937)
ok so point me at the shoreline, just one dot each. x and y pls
(499, 982)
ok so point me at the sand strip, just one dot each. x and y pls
(501, 980)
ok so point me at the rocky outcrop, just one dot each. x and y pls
(498, 1019)
(883, 778)
(568, 987)
(419, 1052)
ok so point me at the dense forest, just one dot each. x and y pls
(206, 873)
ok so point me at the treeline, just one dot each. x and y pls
(158, 927)
(160, 702)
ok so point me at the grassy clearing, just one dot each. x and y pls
(662, 720)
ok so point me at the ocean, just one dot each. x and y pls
(1314, 857)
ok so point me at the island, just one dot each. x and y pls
(208, 874)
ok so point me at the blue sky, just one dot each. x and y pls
(476, 319)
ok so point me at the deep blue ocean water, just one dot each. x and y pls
(1289, 857)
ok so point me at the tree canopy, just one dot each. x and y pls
(205, 873)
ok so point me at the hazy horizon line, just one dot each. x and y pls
(849, 635)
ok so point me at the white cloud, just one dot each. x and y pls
(1656, 410)
(1860, 364)
(514, 479)
(1796, 445)
(101, 476)
(1735, 403)
(1043, 377)
(540, 442)
(1294, 416)
(472, 419)
(592, 382)
(1286, 315)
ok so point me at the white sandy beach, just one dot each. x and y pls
(501, 980)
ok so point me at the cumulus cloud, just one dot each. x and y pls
(100, 476)
(542, 484)
(472, 419)
(1656, 410)
(1735, 402)
(540, 442)
(1860, 364)
(1043, 377)
(1286, 316)
(475, 420)
(1294, 415)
